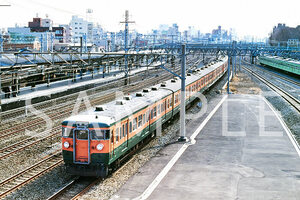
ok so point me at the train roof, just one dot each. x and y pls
(114, 111)
(290, 60)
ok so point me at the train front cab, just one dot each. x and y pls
(86, 150)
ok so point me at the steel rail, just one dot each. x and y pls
(29, 174)
(288, 97)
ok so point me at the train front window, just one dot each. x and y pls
(100, 134)
(82, 134)
(67, 132)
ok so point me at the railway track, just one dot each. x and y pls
(288, 97)
(18, 146)
(275, 74)
(82, 184)
(20, 179)
(66, 192)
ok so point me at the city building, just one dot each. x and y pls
(23, 36)
(68, 32)
(81, 28)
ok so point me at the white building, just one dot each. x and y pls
(69, 32)
(81, 28)
(47, 22)
(98, 36)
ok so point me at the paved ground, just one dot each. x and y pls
(237, 155)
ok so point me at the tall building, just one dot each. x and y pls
(68, 31)
(98, 36)
(81, 28)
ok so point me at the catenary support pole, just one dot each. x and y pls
(235, 66)
(228, 75)
(240, 63)
(182, 137)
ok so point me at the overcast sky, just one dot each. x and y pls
(247, 17)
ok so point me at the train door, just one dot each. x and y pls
(81, 139)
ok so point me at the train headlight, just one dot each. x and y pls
(66, 144)
(100, 147)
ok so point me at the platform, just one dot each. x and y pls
(240, 152)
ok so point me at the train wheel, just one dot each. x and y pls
(104, 172)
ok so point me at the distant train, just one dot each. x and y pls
(285, 64)
(94, 141)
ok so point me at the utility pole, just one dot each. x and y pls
(113, 41)
(42, 43)
(85, 43)
(81, 45)
(126, 22)
(1, 44)
(52, 42)
(182, 137)
(228, 74)
(154, 39)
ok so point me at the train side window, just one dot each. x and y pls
(162, 107)
(147, 116)
(144, 119)
(123, 130)
(134, 123)
(130, 127)
(152, 114)
(168, 104)
(154, 111)
(158, 109)
(117, 135)
(140, 121)
(120, 133)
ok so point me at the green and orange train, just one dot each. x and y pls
(96, 140)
